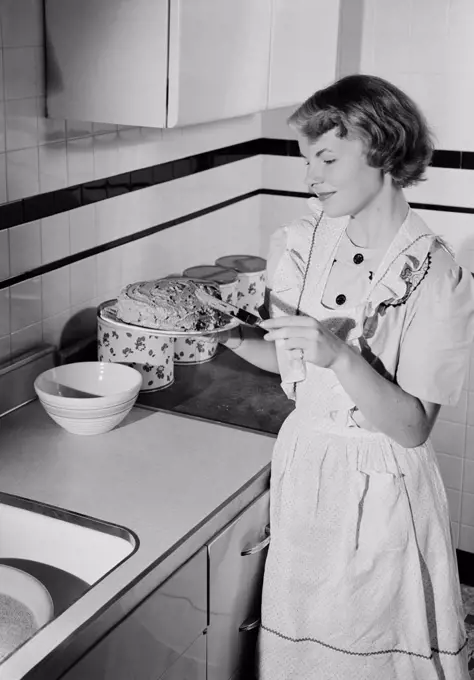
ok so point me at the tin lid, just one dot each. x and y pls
(211, 272)
(243, 263)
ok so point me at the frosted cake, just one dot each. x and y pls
(169, 304)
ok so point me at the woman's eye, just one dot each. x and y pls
(328, 162)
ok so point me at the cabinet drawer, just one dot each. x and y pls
(236, 564)
(190, 666)
(146, 643)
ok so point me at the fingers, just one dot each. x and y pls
(287, 332)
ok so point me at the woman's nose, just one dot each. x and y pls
(313, 176)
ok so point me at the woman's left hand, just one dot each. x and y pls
(303, 334)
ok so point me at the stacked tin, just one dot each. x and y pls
(251, 279)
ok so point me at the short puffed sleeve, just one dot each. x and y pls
(276, 249)
(435, 347)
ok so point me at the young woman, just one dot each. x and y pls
(371, 326)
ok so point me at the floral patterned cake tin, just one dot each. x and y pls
(147, 352)
(251, 273)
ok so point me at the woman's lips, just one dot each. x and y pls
(325, 195)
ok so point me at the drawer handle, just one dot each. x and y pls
(260, 546)
(249, 624)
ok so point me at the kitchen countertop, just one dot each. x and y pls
(174, 481)
(226, 389)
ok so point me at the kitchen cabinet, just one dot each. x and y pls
(202, 623)
(191, 665)
(155, 635)
(167, 63)
(236, 564)
(157, 63)
(107, 60)
(304, 49)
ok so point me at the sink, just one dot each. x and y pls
(66, 551)
(83, 546)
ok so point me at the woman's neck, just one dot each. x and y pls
(377, 224)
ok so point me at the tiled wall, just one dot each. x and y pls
(426, 47)
(39, 155)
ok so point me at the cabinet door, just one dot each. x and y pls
(150, 639)
(236, 564)
(190, 666)
(218, 59)
(304, 47)
(107, 60)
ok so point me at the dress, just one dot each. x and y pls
(361, 579)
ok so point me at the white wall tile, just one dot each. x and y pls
(82, 322)
(21, 123)
(454, 500)
(451, 468)
(429, 17)
(3, 178)
(56, 292)
(274, 123)
(469, 453)
(82, 228)
(77, 128)
(467, 509)
(449, 437)
(105, 155)
(52, 166)
(128, 150)
(444, 186)
(21, 72)
(83, 280)
(26, 338)
(4, 255)
(22, 173)
(55, 238)
(80, 160)
(109, 273)
(2, 88)
(101, 128)
(25, 304)
(2, 126)
(25, 247)
(455, 414)
(466, 538)
(457, 229)
(455, 534)
(468, 479)
(49, 129)
(53, 328)
(4, 312)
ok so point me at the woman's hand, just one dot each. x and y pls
(307, 338)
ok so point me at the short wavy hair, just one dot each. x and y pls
(396, 136)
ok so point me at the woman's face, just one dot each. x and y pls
(338, 174)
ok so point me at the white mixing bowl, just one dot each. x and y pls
(89, 397)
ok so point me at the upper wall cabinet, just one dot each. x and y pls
(304, 46)
(166, 63)
(218, 59)
(107, 60)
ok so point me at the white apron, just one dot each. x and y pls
(361, 580)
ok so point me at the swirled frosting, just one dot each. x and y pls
(169, 304)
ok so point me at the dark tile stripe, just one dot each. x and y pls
(55, 202)
(70, 259)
